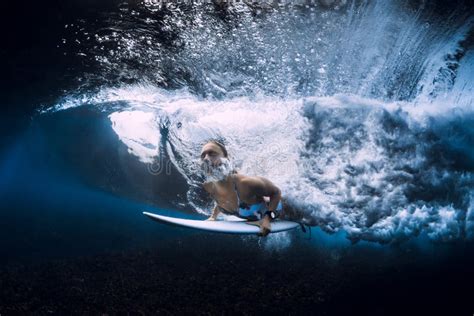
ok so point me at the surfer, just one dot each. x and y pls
(256, 199)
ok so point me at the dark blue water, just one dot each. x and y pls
(48, 212)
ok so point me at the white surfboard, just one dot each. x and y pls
(230, 227)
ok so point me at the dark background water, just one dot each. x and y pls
(52, 221)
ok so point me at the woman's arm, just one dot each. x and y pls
(261, 186)
(215, 212)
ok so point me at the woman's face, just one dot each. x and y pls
(211, 154)
(214, 164)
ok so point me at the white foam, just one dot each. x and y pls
(139, 131)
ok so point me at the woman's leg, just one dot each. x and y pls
(291, 213)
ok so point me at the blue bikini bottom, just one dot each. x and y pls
(253, 211)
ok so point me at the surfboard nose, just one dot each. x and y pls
(148, 214)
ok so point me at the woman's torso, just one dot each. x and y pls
(228, 199)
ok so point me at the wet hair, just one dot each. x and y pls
(221, 146)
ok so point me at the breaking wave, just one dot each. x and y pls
(361, 112)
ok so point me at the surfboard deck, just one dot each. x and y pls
(229, 227)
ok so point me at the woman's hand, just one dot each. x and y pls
(264, 224)
(211, 219)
